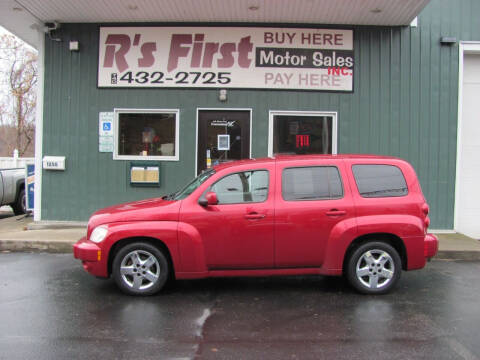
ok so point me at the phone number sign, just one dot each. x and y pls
(226, 57)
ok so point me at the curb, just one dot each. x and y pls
(458, 255)
(65, 247)
(56, 225)
(57, 247)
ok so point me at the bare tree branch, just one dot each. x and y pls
(18, 98)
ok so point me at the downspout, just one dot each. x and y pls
(37, 212)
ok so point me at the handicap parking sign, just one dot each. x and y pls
(105, 128)
(105, 125)
(105, 131)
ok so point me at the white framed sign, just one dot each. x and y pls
(226, 57)
(105, 131)
(223, 142)
(105, 123)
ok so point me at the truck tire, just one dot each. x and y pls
(20, 206)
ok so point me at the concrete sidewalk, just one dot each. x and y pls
(458, 247)
(15, 235)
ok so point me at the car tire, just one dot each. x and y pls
(374, 268)
(140, 269)
(19, 207)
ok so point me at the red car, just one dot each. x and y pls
(361, 216)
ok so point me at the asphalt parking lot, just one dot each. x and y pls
(51, 308)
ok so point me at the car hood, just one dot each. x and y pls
(155, 209)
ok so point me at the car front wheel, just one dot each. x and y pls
(140, 269)
(374, 268)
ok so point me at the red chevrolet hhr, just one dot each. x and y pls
(361, 216)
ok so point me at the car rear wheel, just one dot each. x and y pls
(374, 268)
(140, 269)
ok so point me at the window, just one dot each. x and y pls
(379, 181)
(243, 187)
(311, 183)
(146, 134)
(191, 186)
(302, 133)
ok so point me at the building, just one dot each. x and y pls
(139, 97)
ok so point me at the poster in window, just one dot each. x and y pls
(223, 142)
(293, 127)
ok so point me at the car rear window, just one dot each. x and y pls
(311, 183)
(375, 181)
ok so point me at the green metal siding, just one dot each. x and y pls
(404, 104)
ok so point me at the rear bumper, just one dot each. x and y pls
(92, 257)
(430, 246)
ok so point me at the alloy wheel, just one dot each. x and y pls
(140, 270)
(375, 269)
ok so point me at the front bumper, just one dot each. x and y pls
(92, 257)
(430, 246)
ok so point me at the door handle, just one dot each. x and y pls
(254, 216)
(335, 212)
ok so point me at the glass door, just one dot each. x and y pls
(222, 136)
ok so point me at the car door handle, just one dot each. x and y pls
(335, 212)
(254, 216)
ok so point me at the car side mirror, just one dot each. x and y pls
(210, 199)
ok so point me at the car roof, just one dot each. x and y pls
(296, 158)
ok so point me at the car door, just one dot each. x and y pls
(237, 233)
(311, 200)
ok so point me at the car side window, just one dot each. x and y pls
(311, 183)
(242, 187)
(375, 181)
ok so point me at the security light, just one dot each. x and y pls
(222, 96)
(74, 46)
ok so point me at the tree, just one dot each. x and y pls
(18, 74)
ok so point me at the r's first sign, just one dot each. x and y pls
(226, 57)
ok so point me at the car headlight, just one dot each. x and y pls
(98, 234)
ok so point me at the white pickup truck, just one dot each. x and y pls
(12, 189)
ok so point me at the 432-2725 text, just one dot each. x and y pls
(181, 77)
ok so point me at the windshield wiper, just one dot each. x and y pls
(169, 196)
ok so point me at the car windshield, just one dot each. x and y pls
(191, 186)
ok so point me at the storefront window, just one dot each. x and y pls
(300, 133)
(151, 134)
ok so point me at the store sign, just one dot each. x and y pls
(225, 123)
(236, 57)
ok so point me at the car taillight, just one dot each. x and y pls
(425, 208)
(427, 222)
